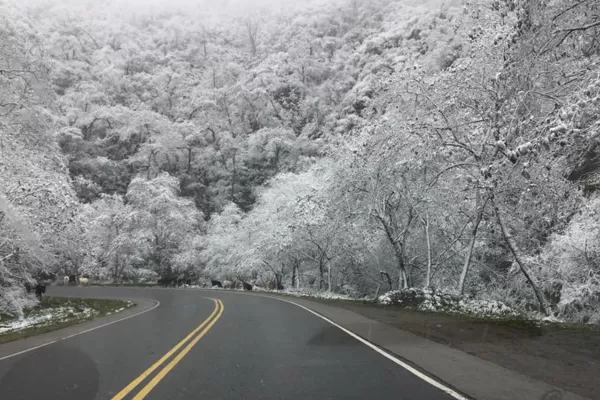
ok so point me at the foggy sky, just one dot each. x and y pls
(229, 7)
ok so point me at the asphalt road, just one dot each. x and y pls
(252, 348)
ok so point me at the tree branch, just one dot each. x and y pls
(580, 28)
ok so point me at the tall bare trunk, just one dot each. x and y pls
(294, 274)
(233, 180)
(463, 276)
(149, 166)
(329, 277)
(116, 273)
(279, 278)
(388, 279)
(398, 242)
(544, 307)
(376, 296)
(428, 242)
(321, 274)
(399, 253)
(403, 278)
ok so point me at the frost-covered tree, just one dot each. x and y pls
(166, 219)
(36, 197)
(118, 237)
(571, 266)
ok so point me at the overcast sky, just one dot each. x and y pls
(232, 7)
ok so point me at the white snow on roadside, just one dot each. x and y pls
(50, 316)
(309, 293)
(432, 300)
(18, 324)
(439, 301)
(45, 317)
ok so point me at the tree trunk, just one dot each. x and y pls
(279, 278)
(233, 181)
(321, 274)
(403, 276)
(149, 166)
(465, 270)
(377, 292)
(399, 253)
(252, 34)
(298, 275)
(388, 279)
(404, 279)
(467, 263)
(329, 277)
(428, 242)
(294, 274)
(116, 273)
(545, 308)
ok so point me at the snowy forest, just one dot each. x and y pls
(345, 146)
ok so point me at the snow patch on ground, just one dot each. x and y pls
(439, 301)
(44, 317)
(310, 293)
(50, 316)
(419, 299)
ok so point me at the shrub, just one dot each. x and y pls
(440, 301)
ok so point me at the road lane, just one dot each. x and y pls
(119, 352)
(174, 355)
(260, 348)
(267, 349)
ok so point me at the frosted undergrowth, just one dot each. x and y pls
(44, 317)
(310, 293)
(438, 301)
(422, 300)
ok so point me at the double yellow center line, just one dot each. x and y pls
(193, 337)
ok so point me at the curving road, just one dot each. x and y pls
(240, 347)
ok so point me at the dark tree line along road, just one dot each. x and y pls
(239, 347)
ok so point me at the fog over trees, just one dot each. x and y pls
(351, 146)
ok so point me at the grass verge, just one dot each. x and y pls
(54, 313)
(127, 284)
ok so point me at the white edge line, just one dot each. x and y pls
(80, 333)
(28, 350)
(401, 363)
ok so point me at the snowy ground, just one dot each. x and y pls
(310, 293)
(418, 299)
(439, 301)
(428, 300)
(41, 317)
(45, 317)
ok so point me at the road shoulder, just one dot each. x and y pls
(470, 375)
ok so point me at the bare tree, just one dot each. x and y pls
(252, 30)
